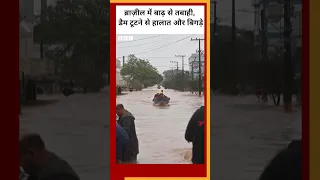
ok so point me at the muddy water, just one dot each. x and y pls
(161, 129)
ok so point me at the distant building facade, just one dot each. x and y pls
(30, 61)
(274, 23)
(119, 79)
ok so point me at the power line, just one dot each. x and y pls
(144, 43)
(168, 66)
(182, 66)
(163, 46)
(141, 39)
(199, 51)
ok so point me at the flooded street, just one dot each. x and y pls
(161, 130)
(244, 134)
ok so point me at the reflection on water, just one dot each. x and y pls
(161, 129)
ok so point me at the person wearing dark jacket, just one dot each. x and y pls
(41, 164)
(126, 121)
(122, 143)
(286, 165)
(195, 134)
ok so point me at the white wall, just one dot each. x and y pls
(119, 79)
(29, 53)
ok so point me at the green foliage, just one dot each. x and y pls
(139, 72)
(230, 64)
(193, 85)
(173, 79)
(241, 63)
(80, 27)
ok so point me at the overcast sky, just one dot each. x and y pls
(244, 13)
(161, 57)
(160, 49)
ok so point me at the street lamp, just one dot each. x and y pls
(192, 67)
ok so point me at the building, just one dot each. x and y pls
(34, 69)
(119, 79)
(30, 61)
(118, 64)
(274, 23)
(194, 64)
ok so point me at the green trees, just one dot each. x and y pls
(242, 64)
(139, 73)
(80, 29)
(174, 79)
(231, 65)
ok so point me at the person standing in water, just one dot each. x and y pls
(286, 165)
(122, 143)
(41, 164)
(126, 121)
(195, 134)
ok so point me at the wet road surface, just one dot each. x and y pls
(161, 130)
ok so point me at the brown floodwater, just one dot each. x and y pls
(161, 130)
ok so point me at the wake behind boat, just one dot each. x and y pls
(161, 101)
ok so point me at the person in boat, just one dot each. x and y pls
(161, 95)
(158, 95)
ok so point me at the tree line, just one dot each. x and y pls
(75, 34)
(180, 80)
(241, 64)
(139, 73)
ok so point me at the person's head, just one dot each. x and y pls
(120, 109)
(286, 165)
(32, 152)
(161, 91)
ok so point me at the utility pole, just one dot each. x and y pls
(182, 67)
(263, 32)
(200, 63)
(233, 22)
(192, 69)
(177, 64)
(288, 68)
(214, 18)
(42, 19)
(123, 60)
